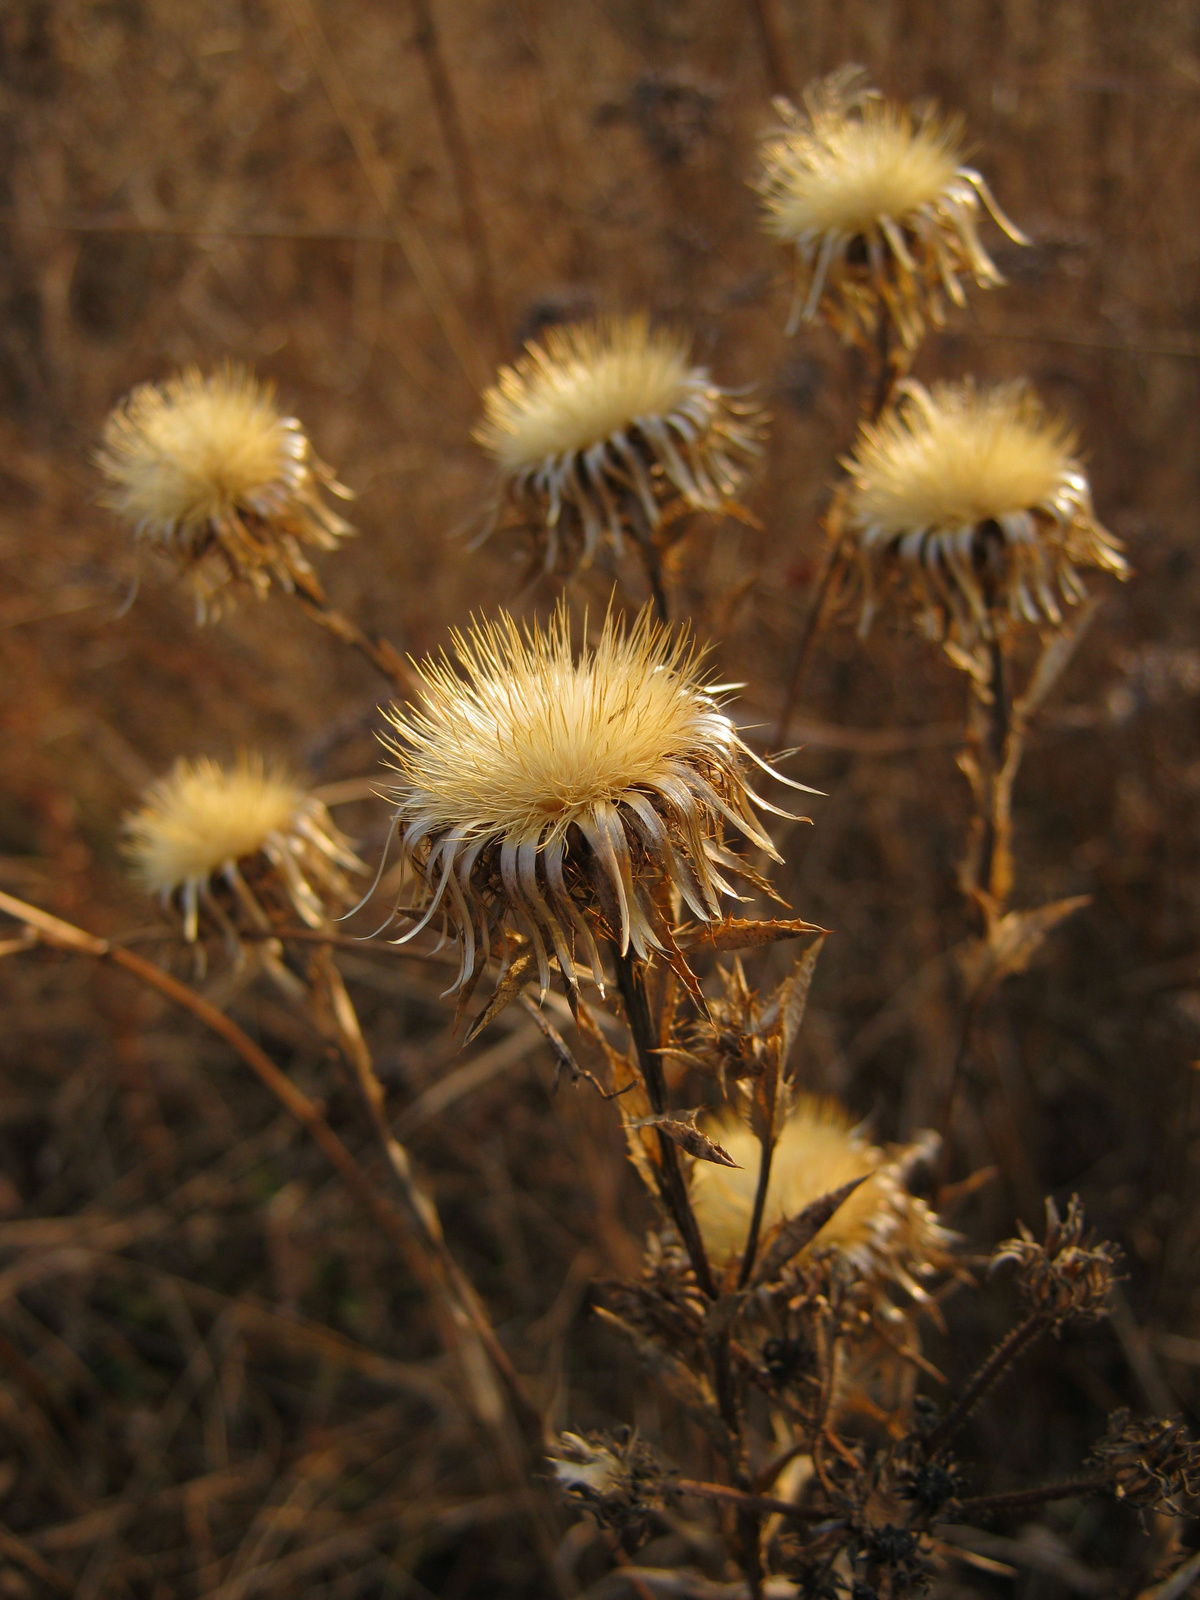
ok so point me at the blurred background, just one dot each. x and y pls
(213, 1380)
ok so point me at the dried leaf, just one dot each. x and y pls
(744, 933)
(507, 990)
(1011, 944)
(1054, 659)
(688, 1137)
(793, 998)
(801, 1230)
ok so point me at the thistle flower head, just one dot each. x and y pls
(208, 471)
(878, 206)
(603, 426)
(616, 1477)
(249, 830)
(1068, 1277)
(977, 498)
(553, 793)
(884, 1231)
(1152, 1463)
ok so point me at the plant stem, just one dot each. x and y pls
(1027, 1499)
(804, 645)
(631, 981)
(762, 1504)
(384, 657)
(1013, 1345)
(760, 1203)
(994, 870)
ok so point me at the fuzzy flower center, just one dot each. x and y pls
(527, 736)
(191, 449)
(848, 173)
(953, 457)
(202, 816)
(586, 384)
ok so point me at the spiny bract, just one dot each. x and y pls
(207, 469)
(953, 481)
(527, 767)
(597, 429)
(880, 209)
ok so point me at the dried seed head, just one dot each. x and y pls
(1154, 1463)
(976, 500)
(885, 1232)
(1068, 1278)
(548, 793)
(879, 208)
(206, 826)
(615, 1476)
(209, 473)
(605, 428)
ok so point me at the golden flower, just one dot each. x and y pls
(879, 208)
(881, 1229)
(249, 830)
(977, 498)
(209, 472)
(554, 794)
(606, 427)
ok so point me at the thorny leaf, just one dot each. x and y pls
(743, 933)
(1062, 645)
(688, 1137)
(1012, 942)
(800, 1230)
(563, 1055)
(507, 991)
(792, 997)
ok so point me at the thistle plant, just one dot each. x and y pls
(604, 430)
(880, 211)
(238, 845)
(212, 476)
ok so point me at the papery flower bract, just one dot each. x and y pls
(541, 791)
(248, 828)
(879, 208)
(208, 472)
(604, 426)
(977, 499)
(885, 1232)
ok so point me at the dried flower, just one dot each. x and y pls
(881, 1229)
(977, 499)
(1153, 1463)
(1068, 1278)
(607, 428)
(249, 829)
(209, 472)
(879, 208)
(539, 791)
(616, 1476)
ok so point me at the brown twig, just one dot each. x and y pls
(772, 38)
(764, 1505)
(1028, 1499)
(384, 657)
(1013, 1345)
(631, 981)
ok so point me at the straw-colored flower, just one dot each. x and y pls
(977, 498)
(882, 1229)
(879, 208)
(208, 471)
(248, 831)
(606, 428)
(557, 794)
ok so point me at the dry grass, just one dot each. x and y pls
(216, 1379)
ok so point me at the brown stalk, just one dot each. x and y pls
(631, 981)
(1013, 1345)
(763, 1505)
(1028, 1499)
(384, 657)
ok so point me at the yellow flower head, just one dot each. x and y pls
(879, 208)
(604, 425)
(883, 1230)
(547, 791)
(978, 499)
(209, 472)
(206, 825)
